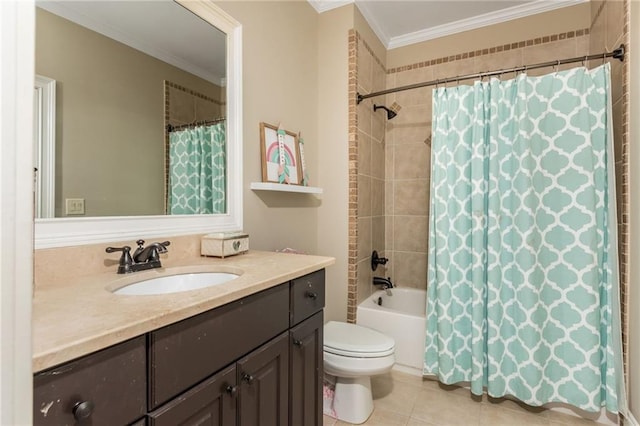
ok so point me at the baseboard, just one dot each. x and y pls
(630, 419)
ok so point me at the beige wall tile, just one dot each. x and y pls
(411, 197)
(377, 197)
(378, 122)
(364, 116)
(455, 68)
(389, 231)
(410, 233)
(377, 159)
(364, 280)
(388, 159)
(410, 269)
(388, 198)
(411, 161)
(617, 129)
(378, 233)
(364, 238)
(404, 133)
(597, 34)
(364, 196)
(412, 116)
(549, 51)
(614, 19)
(365, 68)
(364, 154)
(379, 77)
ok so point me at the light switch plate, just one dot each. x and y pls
(74, 206)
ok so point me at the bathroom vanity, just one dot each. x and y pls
(247, 361)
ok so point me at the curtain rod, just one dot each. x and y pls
(617, 54)
(171, 127)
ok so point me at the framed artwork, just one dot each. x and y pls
(280, 155)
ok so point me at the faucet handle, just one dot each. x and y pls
(125, 260)
(140, 243)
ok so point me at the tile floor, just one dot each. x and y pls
(404, 400)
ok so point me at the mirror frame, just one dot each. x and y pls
(61, 232)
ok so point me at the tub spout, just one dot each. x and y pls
(385, 283)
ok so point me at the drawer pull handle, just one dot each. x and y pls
(311, 295)
(247, 378)
(83, 410)
(231, 390)
(297, 342)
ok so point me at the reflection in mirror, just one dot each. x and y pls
(128, 177)
(112, 63)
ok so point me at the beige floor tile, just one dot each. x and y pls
(381, 417)
(393, 395)
(328, 421)
(416, 422)
(446, 409)
(557, 418)
(495, 415)
(510, 404)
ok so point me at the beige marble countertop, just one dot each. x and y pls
(81, 316)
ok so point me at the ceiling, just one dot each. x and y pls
(399, 23)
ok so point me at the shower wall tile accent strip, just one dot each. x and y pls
(352, 283)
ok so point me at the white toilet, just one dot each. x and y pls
(353, 354)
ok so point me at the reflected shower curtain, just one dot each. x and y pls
(197, 170)
(523, 294)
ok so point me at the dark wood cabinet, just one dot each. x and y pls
(212, 402)
(263, 378)
(306, 372)
(184, 353)
(253, 362)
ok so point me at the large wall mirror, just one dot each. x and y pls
(133, 81)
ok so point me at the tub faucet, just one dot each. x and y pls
(143, 258)
(385, 283)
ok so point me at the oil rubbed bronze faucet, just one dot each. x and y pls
(143, 258)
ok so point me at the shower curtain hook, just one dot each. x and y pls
(584, 61)
(557, 67)
(604, 57)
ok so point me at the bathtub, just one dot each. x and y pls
(401, 315)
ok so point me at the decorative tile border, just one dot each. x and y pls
(352, 263)
(496, 49)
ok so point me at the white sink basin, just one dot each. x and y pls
(175, 283)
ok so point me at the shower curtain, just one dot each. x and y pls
(523, 294)
(197, 166)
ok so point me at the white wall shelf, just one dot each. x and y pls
(269, 186)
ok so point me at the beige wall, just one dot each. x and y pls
(333, 153)
(110, 115)
(280, 85)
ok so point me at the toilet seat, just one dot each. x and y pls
(351, 340)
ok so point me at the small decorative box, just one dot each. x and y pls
(224, 244)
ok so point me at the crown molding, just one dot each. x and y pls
(325, 5)
(476, 22)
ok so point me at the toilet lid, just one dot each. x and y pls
(345, 339)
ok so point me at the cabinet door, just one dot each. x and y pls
(306, 375)
(263, 378)
(211, 403)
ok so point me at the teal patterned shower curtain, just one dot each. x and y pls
(523, 294)
(197, 170)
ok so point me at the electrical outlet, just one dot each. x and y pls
(74, 206)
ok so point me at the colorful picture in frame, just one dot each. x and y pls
(280, 155)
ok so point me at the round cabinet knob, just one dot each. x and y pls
(247, 378)
(297, 342)
(231, 390)
(83, 410)
(311, 295)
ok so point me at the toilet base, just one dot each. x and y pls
(353, 401)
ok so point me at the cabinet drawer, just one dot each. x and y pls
(307, 296)
(183, 354)
(109, 385)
